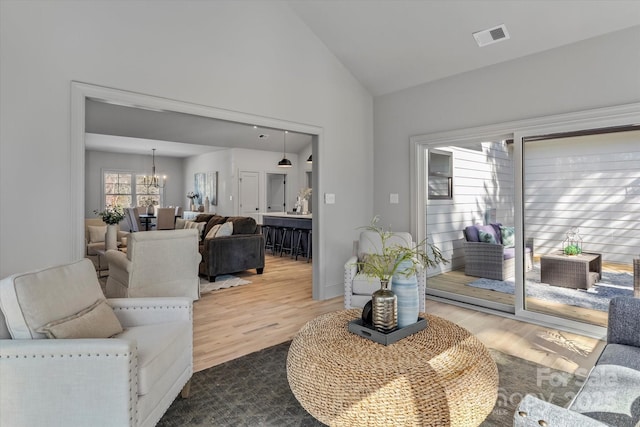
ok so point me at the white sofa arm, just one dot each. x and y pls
(147, 311)
(350, 271)
(59, 390)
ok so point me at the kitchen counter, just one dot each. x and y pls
(259, 217)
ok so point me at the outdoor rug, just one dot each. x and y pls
(253, 391)
(597, 298)
(222, 282)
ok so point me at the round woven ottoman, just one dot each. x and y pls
(440, 376)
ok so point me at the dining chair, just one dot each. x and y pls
(166, 219)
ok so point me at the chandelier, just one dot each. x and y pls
(153, 180)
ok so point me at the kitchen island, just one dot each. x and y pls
(297, 236)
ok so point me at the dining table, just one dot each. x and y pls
(146, 220)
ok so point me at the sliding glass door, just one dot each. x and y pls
(468, 188)
(581, 205)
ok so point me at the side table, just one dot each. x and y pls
(571, 271)
(440, 376)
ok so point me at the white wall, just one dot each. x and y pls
(97, 161)
(590, 182)
(599, 72)
(252, 56)
(229, 163)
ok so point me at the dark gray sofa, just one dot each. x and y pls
(243, 250)
(610, 396)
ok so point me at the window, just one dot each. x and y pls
(440, 180)
(119, 190)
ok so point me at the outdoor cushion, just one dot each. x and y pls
(487, 237)
(471, 234)
(490, 230)
(508, 235)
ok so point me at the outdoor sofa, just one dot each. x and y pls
(489, 251)
(610, 395)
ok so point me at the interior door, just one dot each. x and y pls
(276, 192)
(249, 192)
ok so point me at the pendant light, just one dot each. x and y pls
(153, 180)
(284, 163)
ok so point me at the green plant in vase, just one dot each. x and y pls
(572, 250)
(393, 259)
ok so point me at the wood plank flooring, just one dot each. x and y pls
(230, 323)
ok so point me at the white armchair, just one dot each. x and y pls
(157, 263)
(358, 287)
(129, 379)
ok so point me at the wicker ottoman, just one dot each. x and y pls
(441, 376)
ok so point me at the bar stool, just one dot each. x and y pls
(286, 240)
(307, 248)
(269, 238)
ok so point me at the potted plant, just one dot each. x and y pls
(111, 215)
(401, 263)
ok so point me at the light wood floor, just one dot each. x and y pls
(233, 322)
(456, 281)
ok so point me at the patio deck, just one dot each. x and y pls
(456, 281)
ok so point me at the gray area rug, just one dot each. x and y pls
(253, 391)
(597, 298)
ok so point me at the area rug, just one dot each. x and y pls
(253, 391)
(222, 282)
(597, 298)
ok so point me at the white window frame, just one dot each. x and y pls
(134, 194)
(621, 115)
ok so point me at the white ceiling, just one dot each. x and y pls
(388, 45)
(391, 45)
(136, 130)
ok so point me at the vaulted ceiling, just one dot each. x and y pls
(388, 45)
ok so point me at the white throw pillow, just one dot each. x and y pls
(180, 223)
(214, 230)
(225, 229)
(96, 233)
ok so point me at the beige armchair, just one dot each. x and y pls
(157, 264)
(87, 375)
(358, 287)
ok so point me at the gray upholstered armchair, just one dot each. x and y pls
(70, 357)
(610, 396)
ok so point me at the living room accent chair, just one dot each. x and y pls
(157, 264)
(70, 357)
(358, 287)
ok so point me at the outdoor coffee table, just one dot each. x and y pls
(571, 271)
(440, 376)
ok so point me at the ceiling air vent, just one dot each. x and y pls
(492, 35)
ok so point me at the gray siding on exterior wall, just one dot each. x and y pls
(590, 182)
(482, 192)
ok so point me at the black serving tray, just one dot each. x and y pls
(357, 327)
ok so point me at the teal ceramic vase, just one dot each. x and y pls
(405, 287)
